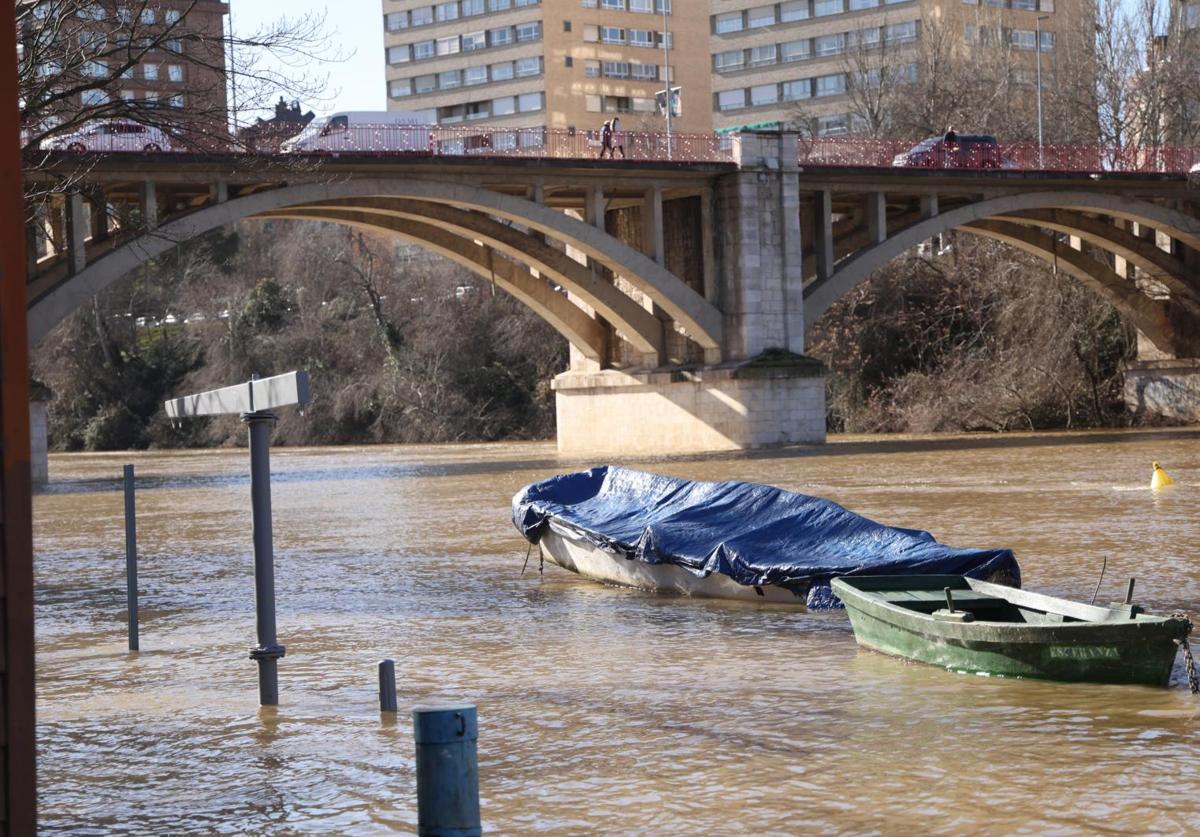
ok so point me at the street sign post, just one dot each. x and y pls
(253, 401)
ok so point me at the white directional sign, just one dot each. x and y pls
(258, 394)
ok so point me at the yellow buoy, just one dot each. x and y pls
(1160, 479)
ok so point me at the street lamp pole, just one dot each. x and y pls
(1038, 45)
(666, 7)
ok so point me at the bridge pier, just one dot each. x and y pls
(757, 389)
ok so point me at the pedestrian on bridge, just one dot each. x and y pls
(606, 138)
(618, 138)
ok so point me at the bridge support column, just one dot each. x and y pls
(149, 205)
(76, 232)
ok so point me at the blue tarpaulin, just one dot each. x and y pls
(755, 534)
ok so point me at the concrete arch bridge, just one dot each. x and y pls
(672, 281)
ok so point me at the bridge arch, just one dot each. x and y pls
(820, 294)
(701, 320)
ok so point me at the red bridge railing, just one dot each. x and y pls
(482, 141)
(878, 153)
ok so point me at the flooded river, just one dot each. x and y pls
(601, 709)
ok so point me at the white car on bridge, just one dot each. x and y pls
(365, 132)
(113, 135)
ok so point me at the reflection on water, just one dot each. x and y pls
(601, 709)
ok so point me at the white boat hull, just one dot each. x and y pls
(591, 562)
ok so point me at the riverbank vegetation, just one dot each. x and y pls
(404, 346)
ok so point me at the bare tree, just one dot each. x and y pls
(75, 57)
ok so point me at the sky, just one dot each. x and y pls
(355, 29)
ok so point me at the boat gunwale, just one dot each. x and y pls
(1143, 626)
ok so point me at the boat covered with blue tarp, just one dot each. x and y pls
(727, 539)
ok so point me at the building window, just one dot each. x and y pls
(94, 97)
(422, 16)
(1023, 39)
(764, 94)
(731, 99)
(761, 55)
(475, 75)
(793, 10)
(644, 6)
(646, 72)
(833, 125)
(760, 16)
(529, 31)
(499, 5)
(521, 3)
(591, 69)
(824, 8)
(799, 89)
(528, 66)
(502, 71)
(148, 16)
(795, 50)
(448, 45)
(566, 26)
(728, 22)
(474, 40)
(734, 59)
(1047, 42)
(422, 50)
(95, 69)
(150, 72)
(529, 102)
(174, 45)
(449, 79)
(400, 88)
(395, 21)
(614, 5)
(446, 11)
(176, 101)
(830, 44)
(833, 85)
(397, 54)
(172, 17)
(859, 5)
(175, 72)
(425, 84)
(470, 8)
(592, 103)
(616, 69)
(612, 35)
(900, 33)
(505, 106)
(641, 38)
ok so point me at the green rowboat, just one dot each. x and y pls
(975, 626)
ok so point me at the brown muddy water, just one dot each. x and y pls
(601, 709)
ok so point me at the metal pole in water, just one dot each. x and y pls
(447, 771)
(269, 650)
(1129, 592)
(949, 599)
(387, 686)
(131, 582)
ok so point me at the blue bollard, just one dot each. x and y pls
(447, 771)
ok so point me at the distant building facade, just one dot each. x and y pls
(568, 64)
(183, 69)
(788, 63)
(268, 134)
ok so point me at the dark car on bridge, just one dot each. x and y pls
(953, 151)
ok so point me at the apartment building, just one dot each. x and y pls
(567, 64)
(183, 69)
(790, 63)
